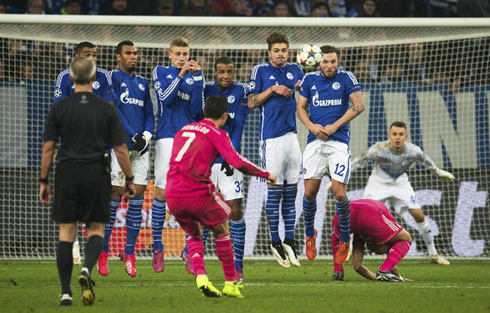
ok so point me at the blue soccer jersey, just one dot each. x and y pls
(278, 114)
(180, 100)
(237, 109)
(329, 100)
(133, 103)
(102, 86)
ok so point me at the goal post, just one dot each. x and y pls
(430, 73)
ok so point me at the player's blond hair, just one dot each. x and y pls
(179, 42)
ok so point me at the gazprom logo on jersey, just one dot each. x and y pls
(183, 96)
(127, 100)
(324, 103)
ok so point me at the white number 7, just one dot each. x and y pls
(191, 137)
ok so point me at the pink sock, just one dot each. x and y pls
(196, 251)
(397, 252)
(224, 251)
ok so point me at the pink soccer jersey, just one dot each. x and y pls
(370, 220)
(195, 149)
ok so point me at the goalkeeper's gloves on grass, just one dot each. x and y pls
(445, 176)
(338, 276)
(227, 168)
(140, 143)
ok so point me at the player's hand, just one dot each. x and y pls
(140, 143)
(45, 193)
(193, 66)
(338, 276)
(445, 176)
(272, 178)
(229, 170)
(319, 132)
(330, 129)
(129, 189)
(282, 90)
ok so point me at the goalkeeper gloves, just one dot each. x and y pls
(338, 276)
(140, 143)
(445, 176)
(227, 168)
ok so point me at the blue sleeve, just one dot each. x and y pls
(197, 97)
(107, 88)
(149, 115)
(236, 136)
(117, 104)
(305, 88)
(63, 86)
(351, 83)
(255, 84)
(165, 92)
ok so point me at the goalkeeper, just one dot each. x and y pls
(389, 180)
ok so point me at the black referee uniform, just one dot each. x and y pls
(86, 124)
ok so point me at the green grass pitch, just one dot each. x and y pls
(464, 286)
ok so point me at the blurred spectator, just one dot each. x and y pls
(280, 9)
(53, 6)
(473, 8)
(416, 69)
(361, 71)
(260, 7)
(72, 7)
(239, 8)
(223, 6)
(93, 7)
(410, 8)
(442, 8)
(35, 7)
(3, 8)
(198, 8)
(366, 9)
(301, 7)
(336, 8)
(141, 7)
(321, 9)
(117, 7)
(370, 55)
(165, 7)
(393, 72)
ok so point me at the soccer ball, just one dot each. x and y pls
(309, 57)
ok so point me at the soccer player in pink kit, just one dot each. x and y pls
(371, 222)
(191, 195)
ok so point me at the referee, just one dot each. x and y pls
(86, 124)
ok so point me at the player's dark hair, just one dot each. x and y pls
(123, 43)
(215, 107)
(82, 71)
(330, 49)
(398, 124)
(277, 38)
(83, 44)
(223, 60)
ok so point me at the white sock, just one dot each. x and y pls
(426, 233)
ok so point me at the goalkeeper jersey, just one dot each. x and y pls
(133, 103)
(329, 100)
(391, 167)
(180, 100)
(278, 113)
(195, 149)
(102, 86)
(237, 110)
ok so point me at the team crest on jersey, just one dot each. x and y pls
(96, 85)
(289, 76)
(157, 85)
(231, 99)
(251, 86)
(336, 85)
(113, 177)
(142, 88)
(57, 92)
(189, 81)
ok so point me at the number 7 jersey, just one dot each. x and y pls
(195, 149)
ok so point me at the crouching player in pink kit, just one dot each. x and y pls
(191, 195)
(372, 223)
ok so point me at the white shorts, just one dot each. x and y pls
(139, 164)
(401, 196)
(230, 187)
(318, 154)
(282, 156)
(163, 152)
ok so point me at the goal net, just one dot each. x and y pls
(431, 74)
